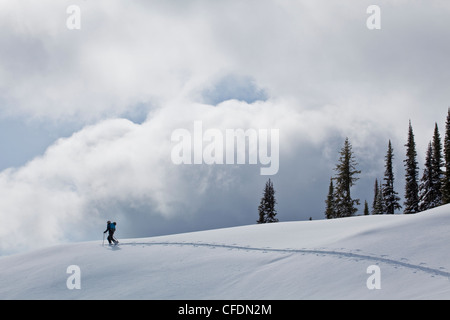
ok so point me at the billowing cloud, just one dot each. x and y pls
(149, 52)
(117, 169)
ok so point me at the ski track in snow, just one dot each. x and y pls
(340, 254)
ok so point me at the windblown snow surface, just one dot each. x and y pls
(324, 259)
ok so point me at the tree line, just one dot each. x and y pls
(430, 191)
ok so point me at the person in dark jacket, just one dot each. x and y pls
(111, 228)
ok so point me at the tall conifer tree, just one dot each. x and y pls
(345, 179)
(330, 211)
(375, 195)
(391, 200)
(446, 175)
(412, 173)
(437, 164)
(426, 188)
(266, 209)
(379, 207)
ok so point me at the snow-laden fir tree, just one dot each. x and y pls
(366, 208)
(376, 188)
(378, 206)
(437, 164)
(266, 209)
(426, 189)
(390, 197)
(412, 175)
(446, 175)
(330, 211)
(345, 179)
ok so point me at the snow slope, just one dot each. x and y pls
(326, 259)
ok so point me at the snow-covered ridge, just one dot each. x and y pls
(326, 259)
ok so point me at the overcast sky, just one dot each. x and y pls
(86, 115)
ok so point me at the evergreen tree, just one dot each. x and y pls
(366, 208)
(412, 173)
(426, 188)
(375, 196)
(379, 207)
(345, 179)
(446, 176)
(266, 209)
(437, 164)
(330, 211)
(391, 200)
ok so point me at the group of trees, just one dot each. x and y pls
(431, 191)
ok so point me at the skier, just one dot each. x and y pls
(111, 228)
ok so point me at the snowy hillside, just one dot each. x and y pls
(327, 259)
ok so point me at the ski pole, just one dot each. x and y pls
(103, 243)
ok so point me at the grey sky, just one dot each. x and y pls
(86, 115)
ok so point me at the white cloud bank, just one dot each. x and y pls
(107, 169)
(140, 52)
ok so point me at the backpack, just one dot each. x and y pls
(112, 226)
